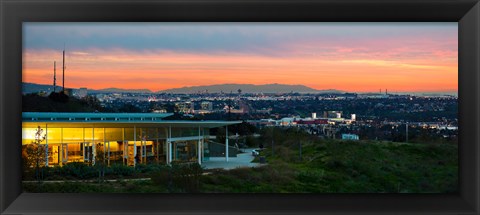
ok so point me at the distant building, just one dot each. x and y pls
(350, 137)
(265, 111)
(206, 106)
(287, 121)
(332, 114)
(338, 115)
(184, 107)
(374, 96)
(160, 111)
(311, 121)
(262, 122)
(82, 92)
(238, 111)
(122, 138)
(244, 106)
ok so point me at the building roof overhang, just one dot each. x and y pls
(162, 124)
(114, 120)
(84, 117)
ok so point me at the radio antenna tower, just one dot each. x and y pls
(54, 76)
(63, 69)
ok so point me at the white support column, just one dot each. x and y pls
(104, 146)
(66, 153)
(46, 145)
(144, 146)
(157, 142)
(143, 143)
(169, 142)
(83, 144)
(108, 153)
(199, 146)
(125, 148)
(94, 149)
(61, 148)
(226, 143)
(141, 146)
(134, 145)
(203, 143)
(166, 146)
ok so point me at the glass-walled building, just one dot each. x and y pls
(125, 138)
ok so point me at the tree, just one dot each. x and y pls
(129, 108)
(244, 128)
(34, 154)
(59, 97)
(92, 102)
(100, 161)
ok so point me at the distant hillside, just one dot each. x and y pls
(118, 90)
(249, 88)
(35, 88)
(28, 88)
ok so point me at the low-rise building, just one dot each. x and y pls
(125, 138)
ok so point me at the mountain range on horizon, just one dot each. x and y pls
(217, 88)
(34, 88)
(226, 88)
(249, 88)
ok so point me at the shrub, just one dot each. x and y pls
(252, 141)
(122, 170)
(311, 176)
(147, 168)
(163, 178)
(285, 154)
(76, 170)
(182, 177)
(187, 176)
(65, 187)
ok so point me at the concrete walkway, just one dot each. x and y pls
(242, 160)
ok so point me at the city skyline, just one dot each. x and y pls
(352, 57)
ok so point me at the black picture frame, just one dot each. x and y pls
(14, 12)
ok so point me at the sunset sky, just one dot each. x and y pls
(354, 57)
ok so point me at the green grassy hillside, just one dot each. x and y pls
(334, 166)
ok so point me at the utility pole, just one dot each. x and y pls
(54, 76)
